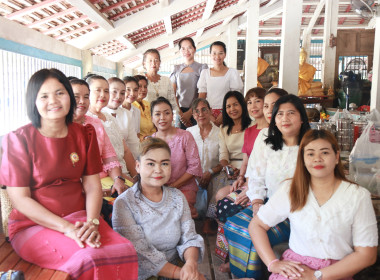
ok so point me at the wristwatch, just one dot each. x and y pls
(318, 274)
(94, 221)
(119, 177)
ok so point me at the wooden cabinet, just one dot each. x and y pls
(272, 56)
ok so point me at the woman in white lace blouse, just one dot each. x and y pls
(157, 219)
(158, 85)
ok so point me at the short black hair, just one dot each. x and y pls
(141, 77)
(128, 79)
(279, 91)
(92, 78)
(34, 86)
(245, 119)
(158, 101)
(220, 44)
(79, 82)
(274, 134)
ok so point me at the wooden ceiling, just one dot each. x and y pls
(121, 30)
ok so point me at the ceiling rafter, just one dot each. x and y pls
(64, 25)
(131, 10)
(31, 9)
(52, 17)
(78, 30)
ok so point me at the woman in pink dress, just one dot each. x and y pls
(50, 168)
(186, 164)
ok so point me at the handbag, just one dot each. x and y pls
(12, 275)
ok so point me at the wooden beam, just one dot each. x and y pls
(52, 17)
(64, 35)
(31, 9)
(87, 8)
(126, 42)
(67, 24)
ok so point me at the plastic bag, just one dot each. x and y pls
(365, 160)
(201, 204)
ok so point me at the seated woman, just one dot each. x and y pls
(206, 135)
(274, 161)
(99, 96)
(157, 219)
(185, 160)
(51, 171)
(111, 166)
(146, 125)
(332, 221)
(124, 117)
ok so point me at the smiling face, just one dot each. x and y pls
(217, 55)
(320, 158)
(233, 108)
(269, 101)
(143, 90)
(132, 91)
(255, 107)
(53, 100)
(117, 95)
(82, 97)
(152, 62)
(202, 114)
(187, 50)
(288, 120)
(99, 94)
(154, 168)
(162, 116)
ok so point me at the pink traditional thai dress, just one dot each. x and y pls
(185, 159)
(53, 168)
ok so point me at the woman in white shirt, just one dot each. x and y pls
(158, 85)
(274, 160)
(333, 224)
(215, 82)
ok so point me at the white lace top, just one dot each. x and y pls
(163, 87)
(329, 231)
(160, 231)
(209, 148)
(267, 168)
(113, 131)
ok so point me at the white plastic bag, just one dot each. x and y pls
(365, 160)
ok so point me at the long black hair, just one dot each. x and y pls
(245, 119)
(274, 134)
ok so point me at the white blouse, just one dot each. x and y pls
(113, 131)
(163, 87)
(217, 87)
(136, 117)
(267, 168)
(208, 148)
(329, 231)
(124, 119)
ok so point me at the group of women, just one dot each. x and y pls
(269, 181)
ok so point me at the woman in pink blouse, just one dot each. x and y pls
(185, 159)
(111, 165)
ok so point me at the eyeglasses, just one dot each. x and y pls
(203, 110)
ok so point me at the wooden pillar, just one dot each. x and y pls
(232, 43)
(252, 45)
(290, 45)
(375, 90)
(329, 52)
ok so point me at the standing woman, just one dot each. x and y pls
(184, 158)
(184, 78)
(274, 161)
(146, 125)
(215, 82)
(333, 225)
(50, 168)
(158, 85)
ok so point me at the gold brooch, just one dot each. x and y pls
(74, 158)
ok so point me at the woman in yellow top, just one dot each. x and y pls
(146, 125)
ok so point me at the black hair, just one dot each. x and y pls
(158, 101)
(34, 86)
(245, 119)
(279, 91)
(141, 77)
(221, 44)
(79, 82)
(92, 78)
(274, 134)
(196, 101)
(186, 39)
(88, 76)
(128, 79)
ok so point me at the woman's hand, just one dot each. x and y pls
(185, 118)
(307, 274)
(288, 269)
(256, 204)
(119, 186)
(239, 182)
(219, 120)
(72, 232)
(205, 180)
(88, 232)
(190, 271)
(242, 198)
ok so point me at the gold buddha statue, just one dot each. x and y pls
(305, 75)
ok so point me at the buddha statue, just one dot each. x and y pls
(264, 78)
(305, 75)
